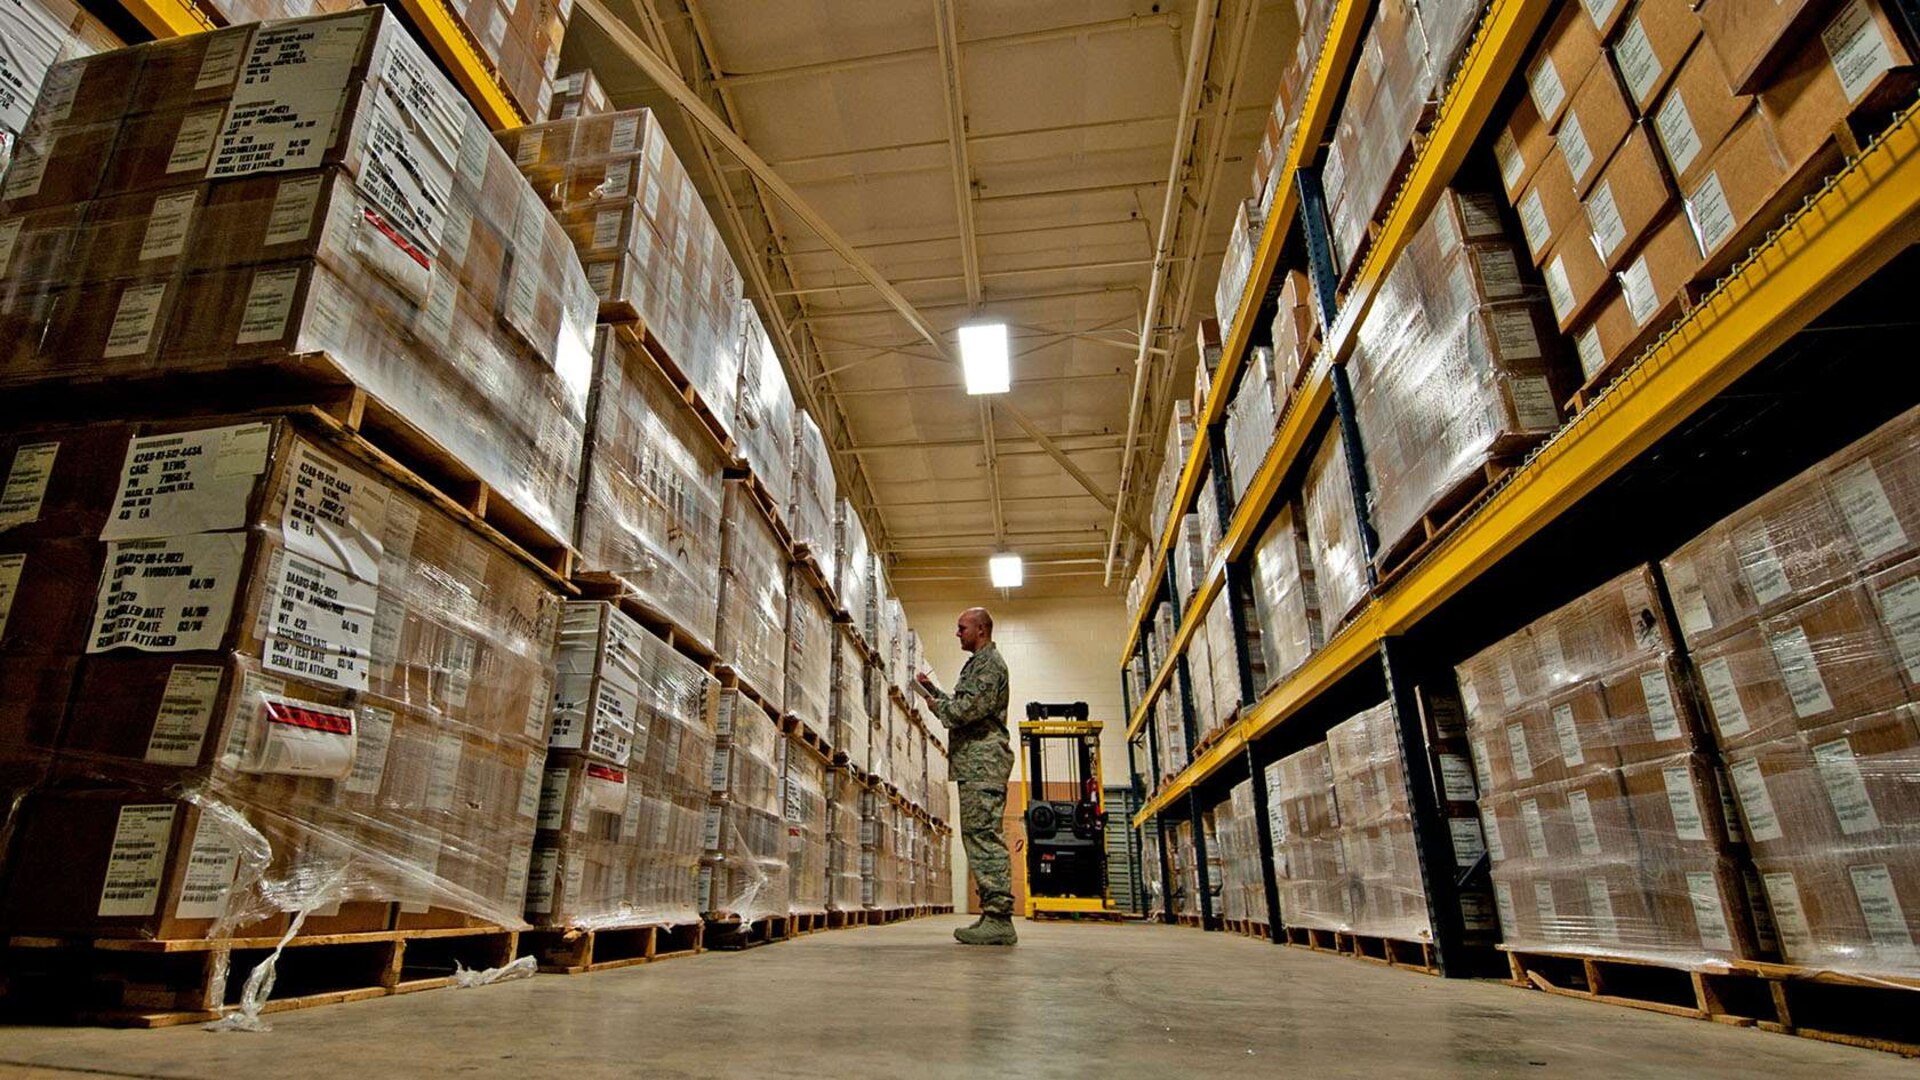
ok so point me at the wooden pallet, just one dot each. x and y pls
(732, 935)
(731, 679)
(1855, 1010)
(845, 919)
(637, 333)
(1446, 511)
(806, 922)
(808, 564)
(1249, 928)
(572, 951)
(1191, 922)
(599, 585)
(322, 398)
(1391, 952)
(1309, 937)
(793, 725)
(149, 984)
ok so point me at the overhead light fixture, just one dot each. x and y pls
(983, 356)
(1007, 571)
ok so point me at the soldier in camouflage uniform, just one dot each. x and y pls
(975, 715)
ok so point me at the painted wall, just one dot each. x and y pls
(1063, 648)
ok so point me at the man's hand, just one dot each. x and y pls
(924, 680)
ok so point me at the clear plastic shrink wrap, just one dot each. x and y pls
(809, 656)
(1310, 860)
(578, 94)
(851, 730)
(939, 793)
(1236, 266)
(806, 812)
(624, 799)
(880, 854)
(1456, 365)
(1800, 614)
(34, 36)
(853, 566)
(1276, 138)
(810, 515)
(1250, 422)
(1603, 817)
(763, 413)
(1388, 891)
(651, 491)
(1285, 604)
(1179, 444)
(650, 249)
(1171, 728)
(751, 637)
(1186, 871)
(1243, 893)
(1293, 323)
(1333, 534)
(299, 688)
(844, 794)
(372, 219)
(745, 874)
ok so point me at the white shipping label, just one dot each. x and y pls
(1514, 334)
(1761, 566)
(1688, 824)
(1789, 917)
(1899, 605)
(1869, 513)
(269, 303)
(1468, 843)
(1535, 828)
(1513, 166)
(26, 485)
(1548, 91)
(134, 320)
(335, 515)
(1600, 909)
(1639, 65)
(196, 481)
(375, 736)
(443, 771)
(301, 738)
(1534, 221)
(1689, 599)
(531, 780)
(1846, 788)
(1518, 753)
(186, 711)
(1559, 289)
(291, 219)
(436, 315)
(289, 98)
(1481, 770)
(544, 870)
(321, 627)
(168, 225)
(1600, 11)
(553, 798)
(35, 38)
(171, 595)
(1859, 50)
(1661, 715)
(518, 860)
(1503, 904)
(1709, 912)
(1584, 830)
(1573, 146)
(1677, 134)
(1593, 356)
(1608, 228)
(11, 567)
(1533, 405)
(457, 235)
(1456, 779)
(1756, 805)
(539, 700)
(141, 839)
(533, 141)
(1546, 910)
(626, 134)
(221, 65)
(617, 181)
(1636, 286)
(1724, 696)
(1563, 726)
(9, 232)
(1509, 683)
(1711, 214)
(194, 142)
(211, 863)
(1880, 906)
(1794, 654)
(606, 228)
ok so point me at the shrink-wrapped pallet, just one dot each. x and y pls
(745, 874)
(810, 514)
(809, 657)
(1285, 604)
(1333, 534)
(751, 637)
(807, 825)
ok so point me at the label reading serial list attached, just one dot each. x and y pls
(171, 595)
(322, 624)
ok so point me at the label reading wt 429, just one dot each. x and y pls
(322, 624)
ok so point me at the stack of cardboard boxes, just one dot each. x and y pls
(853, 569)
(850, 729)
(578, 94)
(746, 872)
(40, 33)
(810, 511)
(1332, 521)
(751, 636)
(1285, 604)
(1243, 892)
(845, 795)
(809, 656)
(804, 772)
(763, 413)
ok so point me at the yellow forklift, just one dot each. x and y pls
(1066, 814)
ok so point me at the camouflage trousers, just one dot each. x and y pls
(982, 806)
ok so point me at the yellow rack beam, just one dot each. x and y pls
(169, 18)
(1852, 227)
(1316, 115)
(449, 41)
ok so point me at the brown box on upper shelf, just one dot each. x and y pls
(1596, 123)
(1549, 207)
(1629, 199)
(1654, 282)
(1607, 334)
(1651, 48)
(1859, 62)
(1576, 278)
(1751, 37)
(1696, 114)
(1521, 146)
(1566, 53)
(1727, 204)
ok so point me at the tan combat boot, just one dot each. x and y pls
(990, 930)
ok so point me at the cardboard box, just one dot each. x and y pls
(1582, 731)
(1675, 807)
(1751, 37)
(59, 483)
(1728, 204)
(1576, 278)
(1859, 61)
(1607, 334)
(1848, 784)
(47, 591)
(1655, 281)
(1629, 199)
(1597, 121)
(57, 168)
(1607, 15)
(1875, 488)
(1549, 207)
(1852, 909)
(1521, 146)
(1700, 908)
(1569, 49)
(1652, 47)
(34, 706)
(1649, 715)
(1695, 115)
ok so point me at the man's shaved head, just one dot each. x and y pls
(980, 616)
(974, 628)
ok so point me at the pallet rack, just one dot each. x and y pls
(1852, 227)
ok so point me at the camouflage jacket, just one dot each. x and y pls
(975, 714)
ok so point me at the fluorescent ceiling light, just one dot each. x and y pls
(1007, 571)
(983, 356)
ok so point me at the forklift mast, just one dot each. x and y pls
(1066, 810)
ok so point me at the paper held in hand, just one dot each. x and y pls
(928, 689)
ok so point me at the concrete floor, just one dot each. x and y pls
(905, 1001)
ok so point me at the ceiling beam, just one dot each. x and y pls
(968, 444)
(973, 280)
(1025, 383)
(947, 30)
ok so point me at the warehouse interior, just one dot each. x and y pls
(482, 484)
